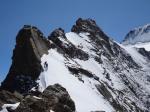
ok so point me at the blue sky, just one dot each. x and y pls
(115, 17)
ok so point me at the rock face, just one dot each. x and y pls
(54, 98)
(88, 25)
(26, 62)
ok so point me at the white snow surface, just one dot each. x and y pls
(51, 111)
(80, 41)
(12, 106)
(86, 99)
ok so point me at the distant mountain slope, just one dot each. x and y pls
(98, 73)
(138, 35)
(145, 45)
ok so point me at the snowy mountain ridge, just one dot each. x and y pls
(138, 35)
(98, 73)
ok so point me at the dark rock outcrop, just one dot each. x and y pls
(79, 71)
(89, 25)
(143, 52)
(26, 62)
(54, 98)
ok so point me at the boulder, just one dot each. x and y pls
(54, 98)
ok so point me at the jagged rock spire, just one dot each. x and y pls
(26, 62)
(88, 25)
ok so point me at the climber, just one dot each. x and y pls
(46, 66)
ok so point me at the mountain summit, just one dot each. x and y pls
(79, 71)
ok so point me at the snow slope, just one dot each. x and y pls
(145, 45)
(83, 90)
(86, 98)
